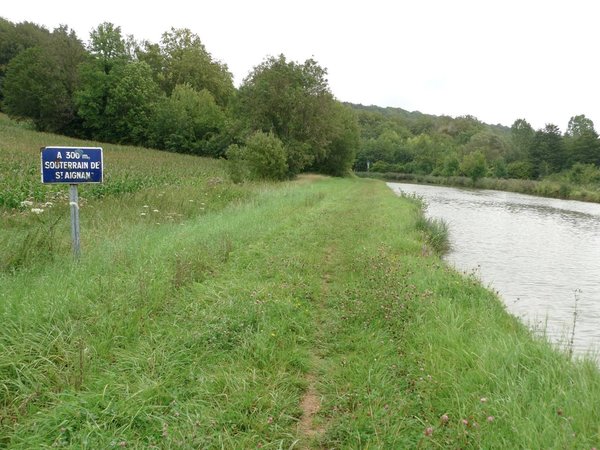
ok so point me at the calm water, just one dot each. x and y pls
(540, 254)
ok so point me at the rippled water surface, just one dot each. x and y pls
(541, 255)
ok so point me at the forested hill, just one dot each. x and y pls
(396, 140)
(412, 116)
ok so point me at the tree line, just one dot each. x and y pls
(174, 95)
(395, 140)
(282, 119)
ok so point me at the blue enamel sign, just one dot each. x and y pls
(72, 165)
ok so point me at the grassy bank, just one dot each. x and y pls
(545, 188)
(308, 314)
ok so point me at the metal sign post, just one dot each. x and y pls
(74, 204)
(72, 165)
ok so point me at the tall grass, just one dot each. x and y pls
(204, 324)
(141, 186)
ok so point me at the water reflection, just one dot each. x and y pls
(542, 255)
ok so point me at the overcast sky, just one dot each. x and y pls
(496, 60)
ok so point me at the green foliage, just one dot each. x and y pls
(294, 102)
(520, 170)
(118, 106)
(343, 143)
(582, 143)
(474, 166)
(107, 45)
(263, 157)
(187, 121)
(14, 38)
(522, 135)
(547, 153)
(584, 174)
(132, 97)
(489, 143)
(450, 165)
(186, 61)
(41, 80)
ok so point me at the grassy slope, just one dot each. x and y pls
(209, 329)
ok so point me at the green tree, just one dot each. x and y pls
(132, 98)
(186, 61)
(294, 102)
(108, 46)
(107, 53)
(489, 143)
(387, 147)
(427, 152)
(343, 142)
(91, 99)
(14, 38)
(474, 166)
(188, 121)
(40, 83)
(547, 153)
(581, 140)
(450, 165)
(522, 136)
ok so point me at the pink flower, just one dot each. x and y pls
(428, 431)
(445, 418)
(490, 418)
(465, 422)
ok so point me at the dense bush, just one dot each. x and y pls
(263, 157)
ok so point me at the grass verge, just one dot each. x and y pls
(297, 315)
(210, 332)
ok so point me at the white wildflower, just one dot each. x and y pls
(37, 210)
(26, 203)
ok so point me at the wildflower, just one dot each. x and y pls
(490, 418)
(465, 422)
(270, 420)
(48, 204)
(155, 210)
(142, 214)
(428, 431)
(37, 210)
(483, 399)
(145, 206)
(26, 203)
(444, 418)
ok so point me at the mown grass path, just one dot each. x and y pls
(301, 315)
